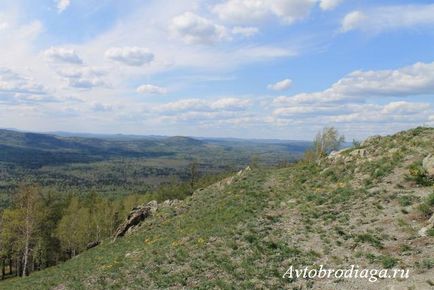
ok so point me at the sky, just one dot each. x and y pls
(217, 68)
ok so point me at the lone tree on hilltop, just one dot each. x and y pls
(327, 140)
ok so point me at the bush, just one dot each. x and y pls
(427, 207)
(389, 262)
(418, 174)
(368, 238)
(405, 200)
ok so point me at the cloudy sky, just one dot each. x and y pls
(223, 68)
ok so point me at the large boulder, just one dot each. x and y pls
(428, 165)
(136, 216)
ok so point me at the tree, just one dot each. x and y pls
(74, 229)
(30, 211)
(193, 175)
(327, 140)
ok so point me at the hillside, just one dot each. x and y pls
(361, 206)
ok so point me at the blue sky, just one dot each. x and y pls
(221, 68)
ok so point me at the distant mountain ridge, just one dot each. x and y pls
(38, 149)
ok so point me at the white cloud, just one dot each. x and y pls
(100, 107)
(198, 105)
(281, 85)
(329, 4)
(291, 10)
(83, 77)
(246, 31)
(230, 104)
(404, 107)
(62, 5)
(417, 79)
(242, 11)
(61, 54)
(352, 20)
(14, 83)
(18, 89)
(184, 105)
(195, 29)
(380, 19)
(132, 56)
(399, 112)
(151, 90)
(347, 102)
(3, 26)
(253, 11)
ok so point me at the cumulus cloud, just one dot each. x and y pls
(14, 83)
(151, 90)
(62, 54)
(399, 112)
(132, 56)
(62, 5)
(248, 11)
(246, 31)
(386, 18)
(281, 85)
(404, 107)
(230, 104)
(83, 77)
(417, 79)
(329, 4)
(16, 88)
(199, 105)
(347, 102)
(196, 29)
(352, 20)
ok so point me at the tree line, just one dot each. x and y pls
(43, 228)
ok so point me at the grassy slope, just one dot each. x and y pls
(245, 234)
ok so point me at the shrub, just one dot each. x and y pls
(405, 200)
(368, 238)
(418, 174)
(389, 262)
(427, 207)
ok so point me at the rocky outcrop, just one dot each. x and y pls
(423, 231)
(92, 245)
(229, 180)
(347, 155)
(428, 165)
(136, 216)
(359, 153)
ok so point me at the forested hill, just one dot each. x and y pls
(34, 150)
(116, 165)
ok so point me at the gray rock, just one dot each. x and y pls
(428, 165)
(423, 231)
(92, 244)
(136, 216)
(359, 153)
